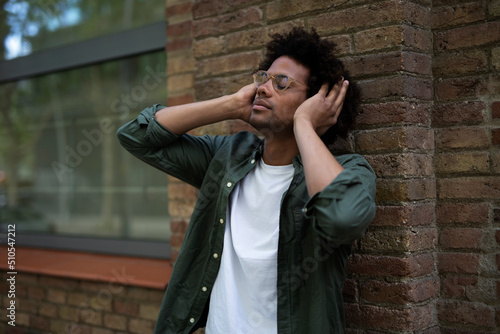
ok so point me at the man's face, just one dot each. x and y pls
(273, 109)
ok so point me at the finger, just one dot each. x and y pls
(323, 91)
(340, 98)
(342, 91)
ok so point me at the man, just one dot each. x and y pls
(272, 229)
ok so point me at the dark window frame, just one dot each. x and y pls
(137, 41)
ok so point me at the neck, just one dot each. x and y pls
(279, 152)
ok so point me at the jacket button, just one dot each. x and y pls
(191, 320)
(216, 255)
(221, 221)
(229, 184)
(204, 289)
(253, 161)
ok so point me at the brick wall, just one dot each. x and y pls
(57, 305)
(430, 127)
(465, 119)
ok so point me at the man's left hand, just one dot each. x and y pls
(323, 109)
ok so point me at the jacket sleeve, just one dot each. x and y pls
(183, 156)
(343, 210)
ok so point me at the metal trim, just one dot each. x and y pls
(144, 39)
(136, 248)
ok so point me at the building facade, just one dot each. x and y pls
(429, 72)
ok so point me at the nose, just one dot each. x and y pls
(265, 89)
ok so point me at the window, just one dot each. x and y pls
(73, 71)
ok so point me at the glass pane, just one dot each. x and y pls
(62, 169)
(33, 25)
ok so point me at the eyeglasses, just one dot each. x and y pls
(280, 81)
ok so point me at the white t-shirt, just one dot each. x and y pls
(244, 296)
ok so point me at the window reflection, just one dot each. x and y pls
(33, 25)
(62, 170)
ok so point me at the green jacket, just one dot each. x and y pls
(315, 234)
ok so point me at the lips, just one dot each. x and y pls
(259, 104)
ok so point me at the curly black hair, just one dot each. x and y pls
(318, 55)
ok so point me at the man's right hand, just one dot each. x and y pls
(183, 118)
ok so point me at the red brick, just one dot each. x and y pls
(472, 62)
(114, 321)
(379, 291)
(279, 10)
(399, 241)
(467, 37)
(456, 286)
(90, 316)
(462, 163)
(40, 323)
(244, 18)
(416, 13)
(246, 61)
(140, 326)
(77, 299)
(457, 14)
(56, 296)
(407, 319)
(179, 29)
(400, 86)
(69, 313)
(495, 162)
(350, 291)
(182, 191)
(149, 311)
(461, 263)
(466, 238)
(495, 109)
(459, 113)
(408, 215)
(462, 213)
(470, 188)
(389, 190)
(179, 225)
(210, 88)
(402, 165)
(382, 63)
(463, 313)
(36, 292)
(126, 307)
(495, 136)
(390, 266)
(178, 9)
(461, 88)
(393, 112)
(463, 137)
(379, 38)
(203, 8)
(176, 240)
(395, 139)
(209, 46)
(348, 19)
(178, 44)
(141, 294)
(27, 305)
(180, 209)
(420, 39)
